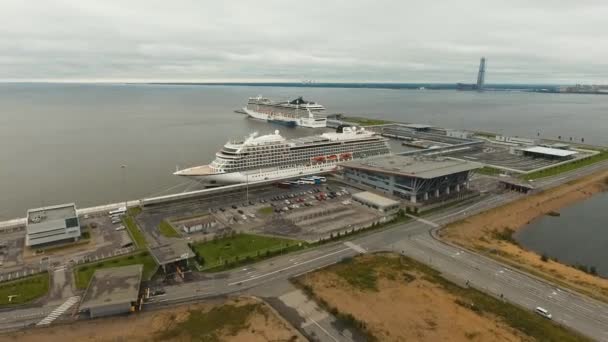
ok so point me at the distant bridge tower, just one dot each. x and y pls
(482, 73)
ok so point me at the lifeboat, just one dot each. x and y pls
(346, 156)
(332, 157)
(320, 159)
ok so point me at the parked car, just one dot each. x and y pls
(234, 206)
(240, 211)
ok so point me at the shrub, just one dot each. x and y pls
(544, 257)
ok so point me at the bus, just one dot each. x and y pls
(322, 179)
(307, 181)
(118, 211)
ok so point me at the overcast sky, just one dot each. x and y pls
(538, 41)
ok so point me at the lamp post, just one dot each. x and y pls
(247, 188)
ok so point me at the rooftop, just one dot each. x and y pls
(56, 212)
(416, 126)
(371, 197)
(113, 285)
(427, 168)
(173, 251)
(550, 151)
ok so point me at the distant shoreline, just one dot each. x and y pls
(549, 88)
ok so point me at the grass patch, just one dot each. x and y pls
(556, 170)
(134, 211)
(237, 249)
(489, 171)
(362, 277)
(167, 230)
(204, 326)
(25, 290)
(138, 237)
(266, 211)
(518, 318)
(365, 121)
(84, 273)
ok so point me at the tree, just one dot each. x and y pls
(593, 270)
(544, 257)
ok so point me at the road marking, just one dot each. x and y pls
(288, 267)
(355, 247)
(323, 329)
(59, 311)
(420, 219)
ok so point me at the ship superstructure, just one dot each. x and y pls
(298, 112)
(271, 156)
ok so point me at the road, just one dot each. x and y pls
(415, 239)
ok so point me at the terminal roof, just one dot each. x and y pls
(427, 168)
(112, 286)
(549, 151)
(56, 212)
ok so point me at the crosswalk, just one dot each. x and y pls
(59, 311)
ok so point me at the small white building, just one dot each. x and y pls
(52, 224)
(380, 203)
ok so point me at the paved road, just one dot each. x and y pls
(414, 239)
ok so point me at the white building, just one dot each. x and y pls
(52, 224)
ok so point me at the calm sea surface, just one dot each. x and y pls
(65, 143)
(578, 236)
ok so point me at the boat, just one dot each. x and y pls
(273, 157)
(299, 111)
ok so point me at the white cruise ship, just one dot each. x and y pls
(297, 112)
(272, 157)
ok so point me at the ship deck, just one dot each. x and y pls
(202, 170)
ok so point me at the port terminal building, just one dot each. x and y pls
(421, 180)
(50, 225)
(112, 291)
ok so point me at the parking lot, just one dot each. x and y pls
(306, 212)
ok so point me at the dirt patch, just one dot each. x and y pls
(403, 305)
(240, 319)
(491, 232)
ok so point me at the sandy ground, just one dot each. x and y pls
(261, 326)
(478, 232)
(414, 311)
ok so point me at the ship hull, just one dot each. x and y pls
(263, 175)
(303, 121)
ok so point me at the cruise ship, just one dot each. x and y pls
(272, 157)
(298, 112)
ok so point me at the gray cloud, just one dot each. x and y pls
(402, 41)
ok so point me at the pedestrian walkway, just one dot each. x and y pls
(59, 311)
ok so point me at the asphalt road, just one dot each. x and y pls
(414, 239)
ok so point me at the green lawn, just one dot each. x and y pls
(138, 237)
(83, 274)
(166, 229)
(240, 248)
(556, 170)
(365, 121)
(25, 290)
(490, 171)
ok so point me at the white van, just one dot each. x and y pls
(542, 312)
